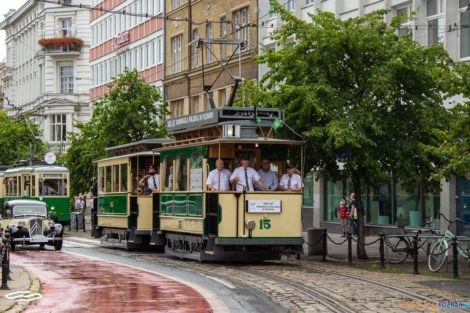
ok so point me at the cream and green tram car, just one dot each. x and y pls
(126, 217)
(48, 183)
(227, 225)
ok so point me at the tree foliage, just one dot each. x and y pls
(16, 135)
(361, 95)
(132, 110)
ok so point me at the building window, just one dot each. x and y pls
(464, 32)
(177, 108)
(209, 55)
(177, 54)
(66, 27)
(58, 127)
(66, 79)
(176, 4)
(223, 35)
(240, 26)
(195, 104)
(290, 5)
(308, 1)
(406, 24)
(195, 49)
(436, 26)
(222, 98)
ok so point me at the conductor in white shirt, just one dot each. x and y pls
(244, 176)
(219, 178)
(151, 180)
(291, 181)
(268, 177)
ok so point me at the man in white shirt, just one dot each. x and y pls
(219, 178)
(152, 179)
(291, 181)
(244, 176)
(268, 177)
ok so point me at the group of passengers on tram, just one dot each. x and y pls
(245, 178)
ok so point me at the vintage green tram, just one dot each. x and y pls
(48, 183)
(227, 225)
(125, 217)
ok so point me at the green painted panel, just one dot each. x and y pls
(166, 204)
(115, 204)
(172, 154)
(195, 204)
(181, 205)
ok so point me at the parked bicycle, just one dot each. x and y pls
(400, 245)
(440, 249)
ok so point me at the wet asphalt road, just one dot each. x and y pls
(84, 278)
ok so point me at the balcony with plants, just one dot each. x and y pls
(61, 45)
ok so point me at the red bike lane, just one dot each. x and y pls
(71, 283)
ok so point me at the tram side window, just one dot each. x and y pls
(124, 177)
(48, 187)
(33, 185)
(195, 175)
(167, 170)
(11, 188)
(181, 173)
(108, 179)
(101, 179)
(115, 185)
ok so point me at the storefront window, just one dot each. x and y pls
(334, 194)
(308, 189)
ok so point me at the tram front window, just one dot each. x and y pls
(53, 187)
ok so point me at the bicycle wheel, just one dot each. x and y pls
(438, 255)
(397, 249)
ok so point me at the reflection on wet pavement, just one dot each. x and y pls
(71, 283)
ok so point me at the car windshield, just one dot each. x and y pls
(29, 211)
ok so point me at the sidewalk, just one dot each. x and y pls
(21, 280)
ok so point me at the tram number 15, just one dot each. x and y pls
(264, 224)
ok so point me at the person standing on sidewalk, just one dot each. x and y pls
(343, 217)
(352, 209)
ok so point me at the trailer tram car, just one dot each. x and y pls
(227, 225)
(42, 182)
(125, 216)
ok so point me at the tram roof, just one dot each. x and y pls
(36, 169)
(215, 141)
(137, 146)
(116, 157)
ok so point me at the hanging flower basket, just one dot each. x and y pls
(58, 42)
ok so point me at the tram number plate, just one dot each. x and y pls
(264, 206)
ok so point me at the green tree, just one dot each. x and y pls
(455, 147)
(361, 95)
(17, 139)
(132, 110)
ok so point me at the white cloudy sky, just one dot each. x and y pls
(5, 6)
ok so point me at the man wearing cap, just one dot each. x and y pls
(151, 181)
(290, 181)
(268, 177)
(219, 178)
(244, 176)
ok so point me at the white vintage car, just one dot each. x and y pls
(27, 223)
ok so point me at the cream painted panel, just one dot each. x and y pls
(112, 221)
(145, 217)
(181, 224)
(285, 224)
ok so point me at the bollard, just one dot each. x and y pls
(76, 222)
(455, 261)
(5, 269)
(349, 249)
(325, 247)
(415, 254)
(382, 251)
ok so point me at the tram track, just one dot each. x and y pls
(299, 285)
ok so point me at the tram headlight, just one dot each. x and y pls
(250, 224)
